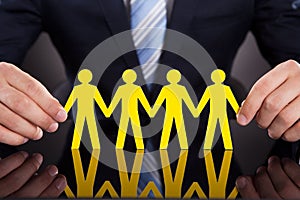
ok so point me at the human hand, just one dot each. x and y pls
(26, 107)
(281, 179)
(275, 101)
(18, 179)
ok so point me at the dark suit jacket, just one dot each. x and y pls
(77, 26)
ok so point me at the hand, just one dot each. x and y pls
(275, 101)
(281, 179)
(18, 179)
(26, 107)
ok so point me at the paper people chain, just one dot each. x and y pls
(131, 94)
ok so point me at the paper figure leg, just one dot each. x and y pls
(210, 132)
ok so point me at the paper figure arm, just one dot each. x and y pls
(232, 99)
(144, 101)
(101, 103)
(203, 101)
(116, 99)
(188, 101)
(160, 99)
(71, 100)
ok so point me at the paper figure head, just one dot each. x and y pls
(85, 76)
(218, 76)
(129, 76)
(173, 76)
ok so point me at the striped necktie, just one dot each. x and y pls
(147, 14)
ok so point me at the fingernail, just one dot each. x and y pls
(25, 154)
(242, 119)
(52, 170)
(52, 128)
(259, 170)
(241, 182)
(39, 134)
(271, 159)
(61, 116)
(38, 157)
(25, 140)
(242, 103)
(60, 184)
(259, 126)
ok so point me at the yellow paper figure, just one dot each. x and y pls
(217, 185)
(218, 94)
(129, 94)
(85, 94)
(174, 94)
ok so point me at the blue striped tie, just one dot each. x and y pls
(149, 165)
(147, 14)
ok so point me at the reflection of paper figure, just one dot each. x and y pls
(218, 94)
(85, 185)
(129, 94)
(173, 184)
(174, 94)
(217, 185)
(129, 185)
(85, 94)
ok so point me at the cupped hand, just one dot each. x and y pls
(274, 101)
(26, 107)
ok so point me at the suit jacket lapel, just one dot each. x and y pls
(181, 18)
(117, 20)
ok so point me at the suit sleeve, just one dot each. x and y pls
(20, 25)
(276, 27)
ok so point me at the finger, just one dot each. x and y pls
(15, 180)
(56, 188)
(285, 119)
(7, 165)
(18, 125)
(22, 105)
(292, 169)
(264, 185)
(246, 188)
(261, 89)
(37, 184)
(36, 91)
(11, 138)
(276, 102)
(281, 182)
(292, 134)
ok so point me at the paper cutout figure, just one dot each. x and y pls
(218, 185)
(174, 94)
(129, 94)
(85, 94)
(218, 93)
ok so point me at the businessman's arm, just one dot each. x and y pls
(26, 106)
(274, 100)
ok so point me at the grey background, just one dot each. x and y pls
(251, 144)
